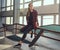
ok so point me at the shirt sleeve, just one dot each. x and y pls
(35, 19)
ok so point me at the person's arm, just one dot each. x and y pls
(36, 24)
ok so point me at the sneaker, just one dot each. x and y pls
(17, 46)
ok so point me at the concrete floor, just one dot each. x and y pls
(44, 43)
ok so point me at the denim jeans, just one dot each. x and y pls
(26, 30)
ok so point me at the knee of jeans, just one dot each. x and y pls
(25, 32)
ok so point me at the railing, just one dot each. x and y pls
(17, 29)
(1, 29)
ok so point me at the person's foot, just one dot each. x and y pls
(17, 46)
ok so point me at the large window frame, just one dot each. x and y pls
(25, 21)
(9, 20)
(39, 20)
(39, 3)
(21, 20)
(49, 19)
(57, 19)
(27, 1)
(48, 2)
(26, 5)
(57, 1)
(8, 2)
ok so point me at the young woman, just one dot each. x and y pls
(32, 23)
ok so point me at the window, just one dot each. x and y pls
(25, 22)
(8, 8)
(21, 6)
(21, 20)
(21, 1)
(48, 20)
(11, 2)
(57, 1)
(26, 5)
(48, 2)
(11, 7)
(27, 0)
(34, 0)
(57, 19)
(11, 20)
(37, 3)
(3, 3)
(7, 20)
(39, 20)
(8, 2)
(3, 9)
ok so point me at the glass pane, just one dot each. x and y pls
(48, 20)
(11, 20)
(11, 7)
(7, 20)
(8, 2)
(26, 5)
(21, 1)
(11, 2)
(3, 3)
(57, 1)
(57, 19)
(3, 9)
(34, 0)
(20, 20)
(48, 2)
(39, 20)
(8, 8)
(48, 17)
(37, 3)
(27, 0)
(25, 22)
(21, 6)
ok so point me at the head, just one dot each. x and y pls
(30, 6)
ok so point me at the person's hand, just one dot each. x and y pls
(37, 24)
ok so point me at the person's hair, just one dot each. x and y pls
(28, 12)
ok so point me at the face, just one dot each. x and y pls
(31, 7)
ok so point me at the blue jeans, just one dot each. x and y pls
(26, 30)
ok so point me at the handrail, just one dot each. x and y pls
(25, 25)
(1, 30)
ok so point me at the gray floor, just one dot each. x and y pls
(44, 43)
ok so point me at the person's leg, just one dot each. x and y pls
(21, 41)
(23, 37)
(24, 29)
(29, 28)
